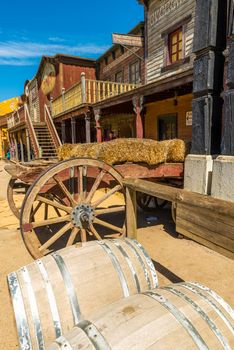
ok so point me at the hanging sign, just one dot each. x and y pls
(189, 118)
(127, 40)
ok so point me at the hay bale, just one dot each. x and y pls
(132, 150)
(64, 151)
(86, 150)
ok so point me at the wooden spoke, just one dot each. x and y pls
(46, 212)
(51, 221)
(57, 211)
(110, 226)
(83, 235)
(109, 210)
(85, 182)
(92, 229)
(54, 204)
(65, 191)
(39, 204)
(73, 236)
(55, 237)
(107, 195)
(95, 186)
(80, 184)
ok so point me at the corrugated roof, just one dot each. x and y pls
(8, 106)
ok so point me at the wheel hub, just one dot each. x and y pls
(82, 216)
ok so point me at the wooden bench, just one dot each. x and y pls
(206, 220)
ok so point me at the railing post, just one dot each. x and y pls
(83, 88)
(51, 105)
(63, 99)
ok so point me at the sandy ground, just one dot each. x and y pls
(175, 259)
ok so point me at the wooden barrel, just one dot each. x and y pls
(54, 293)
(181, 316)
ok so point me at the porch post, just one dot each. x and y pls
(21, 149)
(16, 149)
(28, 146)
(98, 125)
(73, 130)
(87, 127)
(138, 106)
(63, 131)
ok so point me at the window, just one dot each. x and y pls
(134, 73)
(175, 46)
(119, 77)
(106, 60)
(167, 127)
(113, 55)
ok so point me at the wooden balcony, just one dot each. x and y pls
(88, 91)
(16, 118)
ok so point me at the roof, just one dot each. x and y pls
(8, 106)
(66, 59)
(133, 31)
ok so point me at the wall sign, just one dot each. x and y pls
(48, 78)
(164, 10)
(128, 40)
(189, 118)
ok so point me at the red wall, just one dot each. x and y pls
(67, 76)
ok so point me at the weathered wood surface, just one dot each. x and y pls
(205, 219)
(167, 16)
(179, 316)
(76, 282)
(29, 174)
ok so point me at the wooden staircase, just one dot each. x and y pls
(45, 141)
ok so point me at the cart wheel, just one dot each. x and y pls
(72, 201)
(14, 188)
(149, 203)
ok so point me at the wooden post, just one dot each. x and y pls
(83, 88)
(28, 146)
(21, 149)
(63, 100)
(63, 131)
(16, 149)
(51, 105)
(227, 147)
(131, 213)
(87, 127)
(73, 130)
(138, 106)
(98, 125)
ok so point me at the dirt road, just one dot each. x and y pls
(175, 260)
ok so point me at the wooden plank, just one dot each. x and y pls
(206, 234)
(180, 229)
(217, 223)
(171, 170)
(131, 213)
(180, 195)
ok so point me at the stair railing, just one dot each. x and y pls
(32, 134)
(51, 127)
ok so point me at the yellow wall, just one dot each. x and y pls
(160, 108)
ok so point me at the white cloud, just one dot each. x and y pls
(56, 39)
(23, 53)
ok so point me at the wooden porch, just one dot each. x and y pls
(87, 91)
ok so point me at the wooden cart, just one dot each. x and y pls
(77, 198)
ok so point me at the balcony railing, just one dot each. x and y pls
(88, 91)
(16, 118)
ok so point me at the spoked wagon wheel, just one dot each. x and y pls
(70, 202)
(147, 202)
(15, 192)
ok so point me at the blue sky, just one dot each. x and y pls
(29, 30)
